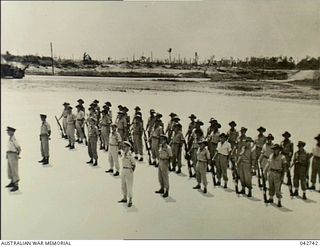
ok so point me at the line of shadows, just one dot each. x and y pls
(132, 209)
(282, 209)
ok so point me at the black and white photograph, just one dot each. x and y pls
(160, 120)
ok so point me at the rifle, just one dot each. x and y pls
(147, 146)
(236, 177)
(259, 176)
(289, 181)
(307, 171)
(188, 158)
(130, 140)
(213, 169)
(62, 133)
(263, 182)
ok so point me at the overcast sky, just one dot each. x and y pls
(122, 29)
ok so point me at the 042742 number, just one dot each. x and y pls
(309, 242)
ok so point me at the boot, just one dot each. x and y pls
(109, 171)
(124, 200)
(218, 183)
(250, 193)
(69, 145)
(193, 175)
(65, 137)
(10, 185)
(107, 148)
(295, 193)
(279, 204)
(101, 147)
(72, 146)
(205, 190)
(141, 158)
(166, 194)
(313, 187)
(225, 185)
(304, 197)
(243, 191)
(197, 187)
(40, 161)
(14, 188)
(80, 141)
(269, 200)
(90, 161)
(136, 157)
(46, 161)
(130, 203)
(161, 191)
(179, 170)
(95, 162)
(77, 140)
(156, 165)
(116, 174)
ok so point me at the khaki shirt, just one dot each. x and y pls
(115, 139)
(71, 118)
(191, 126)
(157, 132)
(203, 155)
(301, 158)
(80, 115)
(287, 148)
(45, 128)
(214, 137)
(151, 122)
(178, 137)
(128, 161)
(137, 128)
(233, 136)
(316, 151)
(266, 151)
(13, 145)
(165, 152)
(241, 141)
(260, 141)
(93, 130)
(64, 113)
(105, 120)
(122, 123)
(277, 163)
(196, 137)
(248, 156)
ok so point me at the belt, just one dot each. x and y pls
(80, 120)
(204, 161)
(274, 170)
(12, 152)
(127, 168)
(223, 154)
(64, 117)
(113, 144)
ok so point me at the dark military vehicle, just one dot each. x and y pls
(11, 71)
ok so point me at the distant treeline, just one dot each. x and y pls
(280, 62)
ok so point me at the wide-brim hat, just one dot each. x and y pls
(65, 104)
(120, 106)
(127, 143)
(172, 114)
(270, 136)
(104, 111)
(176, 118)
(276, 146)
(223, 135)
(192, 116)
(249, 139)
(80, 101)
(199, 122)
(125, 109)
(96, 101)
(286, 134)
(70, 107)
(301, 143)
(108, 104)
(317, 137)
(233, 123)
(212, 120)
(243, 129)
(159, 115)
(137, 108)
(261, 129)
(11, 129)
(217, 125)
(152, 111)
(43, 115)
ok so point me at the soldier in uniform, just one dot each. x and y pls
(176, 146)
(191, 126)
(315, 163)
(109, 105)
(287, 151)
(93, 134)
(126, 110)
(196, 135)
(104, 125)
(97, 109)
(266, 152)
(203, 157)
(213, 138)
(150, 123)
(71, 120)
(259, 142)
(241, 141)
(169, 129)
(45, 132)
(233, 135)
(114, 147)
(64, 118)
(122, 126)
(128, 167)
(276, 166)
(301, 165)
(12, 156)
(223, 156)
(245, 163)
(165, 156)
(155, 142)
(137, 132)
(80, 123)
(80, 103)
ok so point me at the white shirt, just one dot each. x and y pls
(224, 148)
(316, 151)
